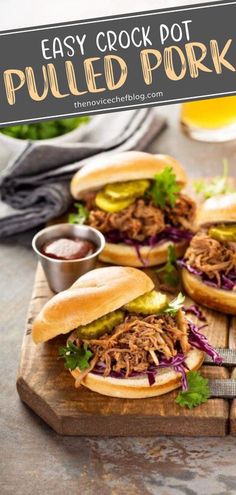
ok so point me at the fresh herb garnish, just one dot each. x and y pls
(165, 189)
(169, 271)
(75, 357)
(197, 393)
(218, 185)
(175, 305)
(81, 216)
(44, 130)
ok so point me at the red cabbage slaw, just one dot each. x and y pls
(228, 282)
(195, 310)
(196, 339)
(172, 234)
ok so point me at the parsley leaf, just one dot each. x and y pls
(218, 185)
(169, 270)
(81, 216)
(75, 357)
(175, 305)
(164, 188)
(198, 391)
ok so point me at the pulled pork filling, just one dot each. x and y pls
(143, 220)
(138, 343)
(211, 257)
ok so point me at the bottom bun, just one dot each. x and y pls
(217, 299)
(122, 254)
(138, 388)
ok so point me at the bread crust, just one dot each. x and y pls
(217, 299)
(123, 254)
(139, 388)
(125, 166)
(218, 209)
(92, 296)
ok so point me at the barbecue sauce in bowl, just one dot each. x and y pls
(68, 249)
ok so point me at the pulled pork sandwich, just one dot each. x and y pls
(134, 199)
(209, 264)
(127, 340)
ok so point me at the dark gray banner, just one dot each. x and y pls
(119, 62)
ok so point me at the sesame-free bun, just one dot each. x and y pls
(92, 296)
(138, 387)
(218, 209)
(121, 167)
(123, 254)
(217, 299)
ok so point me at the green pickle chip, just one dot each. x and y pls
(150, 303)
(124, 190)
(110, 205)
(99, 327)
(223, 233)
(118, 196)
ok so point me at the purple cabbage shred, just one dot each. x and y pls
(195, 310)
(198, 340)
(228, 282)
(168, 234)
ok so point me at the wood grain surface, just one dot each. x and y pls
(232, 345)
(48, 389)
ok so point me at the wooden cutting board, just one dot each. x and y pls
(47, 388)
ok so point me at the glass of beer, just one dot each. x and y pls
(210, 120)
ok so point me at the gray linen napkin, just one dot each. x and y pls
(34, 186)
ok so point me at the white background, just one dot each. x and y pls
(22, 13)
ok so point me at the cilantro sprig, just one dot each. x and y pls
(218, 185)
(169, 271)
(175, 305)
(165, 189)
(80, 216)
(75, 357)
(197, 393)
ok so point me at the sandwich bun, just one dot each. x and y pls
(122, 167)
(218, 209)
(138, 387)
(217, 299)
(92, 296)
(123, 254)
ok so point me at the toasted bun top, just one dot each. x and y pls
(93, 295)
(129, 165)
(218, 209)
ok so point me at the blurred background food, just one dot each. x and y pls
(44, 130)
(210, 120)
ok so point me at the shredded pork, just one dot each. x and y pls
(138, 342)
(182, 214)
(143, 219)
(211, 256)
(139, 221)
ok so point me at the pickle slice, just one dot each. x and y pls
(223, 233)
(150, 303)
(99, 327)
(110, 205)
(123, 190)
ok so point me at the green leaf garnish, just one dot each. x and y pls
(198, 391)
(218, 185)
(81, 216)
(165, 189)
(75, 357)
(175, 305)
(44, 130)
(169, 270)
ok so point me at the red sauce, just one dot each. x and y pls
(68, 249)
